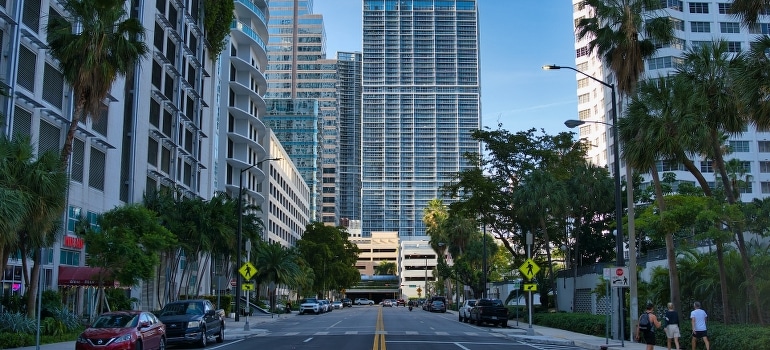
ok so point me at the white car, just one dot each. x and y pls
(364, 301)
(337, 305)
(387, 302)
(310, 305)
(325, 305)
(465, 310)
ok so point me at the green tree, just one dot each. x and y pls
(277, 265)
(385, 268)
(105, 44)
(624, 33)
(126, 244)
(748, 11)
(331, 255)
(36, 189)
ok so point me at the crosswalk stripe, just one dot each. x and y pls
(442, 333)
(321, 333)
(351, 332)
(412, 333)
(292, 333)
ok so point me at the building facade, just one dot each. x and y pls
(696, 23)
(298, 69)
(421, 101)
(349, 94)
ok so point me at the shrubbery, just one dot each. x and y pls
(738, 336)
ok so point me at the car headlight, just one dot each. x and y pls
(82, 339)
(122, 338)
(192, 324)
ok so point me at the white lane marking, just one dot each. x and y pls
(332, 326)
(351, 332)
(308, 339)
(321, 333)
(292, 333)
(471, 333)
(412, 333)
(442, 333)
(460, 346)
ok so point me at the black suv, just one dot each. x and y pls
(347, 302)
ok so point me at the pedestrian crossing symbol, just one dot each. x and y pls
(529, 269)
(247, 271)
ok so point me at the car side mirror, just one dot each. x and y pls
(144, 324)
(210, 313)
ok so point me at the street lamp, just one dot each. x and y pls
(240, 231)
(619, 258)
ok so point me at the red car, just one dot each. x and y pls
(124, 330)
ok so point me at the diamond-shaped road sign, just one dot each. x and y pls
(529, 269)
(247, 271)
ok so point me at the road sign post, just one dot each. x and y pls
(530, 270)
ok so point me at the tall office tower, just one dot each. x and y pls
(420, 104)
(696, 23)
(298, 69)
(349, 101)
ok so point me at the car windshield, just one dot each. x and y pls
(438, 303)
(182, 309)
(309, 300)
(471, 302)
(116, 321)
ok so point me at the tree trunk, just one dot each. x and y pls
(66, 150)
(719, 164)
(752, 290)
(723, 281)
(704, 185)
(670, 251)
(33, 285)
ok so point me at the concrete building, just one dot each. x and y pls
(421, 100)
(418, 260)
(378, 248)
(299, 70)
(696, 23)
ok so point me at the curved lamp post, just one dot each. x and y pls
(619, 258)
(240, 230)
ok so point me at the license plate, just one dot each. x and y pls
(494, 317)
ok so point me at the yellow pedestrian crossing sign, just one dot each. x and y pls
(248, 286)
(247, 271)
(530, 287)
(529, 269)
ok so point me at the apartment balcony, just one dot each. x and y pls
(251, 7)
(243, 32)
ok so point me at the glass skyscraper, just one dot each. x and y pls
(420, 104)
(349, 102)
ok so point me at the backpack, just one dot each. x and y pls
(644, 322)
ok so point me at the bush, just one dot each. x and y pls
(70, 321)
(16, 323)
(52, 326)
(15, 340)
(573, 322)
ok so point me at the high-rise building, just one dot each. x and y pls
(349, 106)
(421, 101)
(695, 23)
(298, 69)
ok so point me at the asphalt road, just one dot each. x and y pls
(379, 328)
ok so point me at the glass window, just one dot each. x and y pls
(729, 27)
(739, 146)
(734, 46)
(677, 23)
(672, 4)
(724, 8)
(700, 27)
(763, 146)
(699, 7)
(706, 166)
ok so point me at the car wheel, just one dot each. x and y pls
(505, 324)
(459, 318)
(162, 344)
(204, 338)
(221, 335)
(138, 345)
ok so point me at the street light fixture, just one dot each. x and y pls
(240, 231)
(619, 258)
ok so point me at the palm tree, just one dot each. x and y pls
(625, 33)
(748, 11)
(104, 45)
(385, 268)
(277, 265)
(37, 187)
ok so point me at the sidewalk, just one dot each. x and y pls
(542, 335)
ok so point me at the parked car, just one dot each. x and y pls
(347, 302)
(337, 304)
(124, 330)
(465, 310)
(325, 305)
(364, 301)
(437, 306)
(489, 311)
(192, 321)
(309, 305)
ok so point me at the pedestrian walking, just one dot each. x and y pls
(698, 320)
(645, 328)
(672, 326)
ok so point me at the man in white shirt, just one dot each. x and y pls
(698, 320)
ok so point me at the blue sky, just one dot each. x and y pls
(517, 39)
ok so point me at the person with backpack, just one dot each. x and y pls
(645, 329)
(672, 326)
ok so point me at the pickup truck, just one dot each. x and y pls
(489, 311)
(465, 310)
(192, 321)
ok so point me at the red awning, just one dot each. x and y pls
(84, 276)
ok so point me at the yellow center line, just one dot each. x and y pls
(379, 332)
